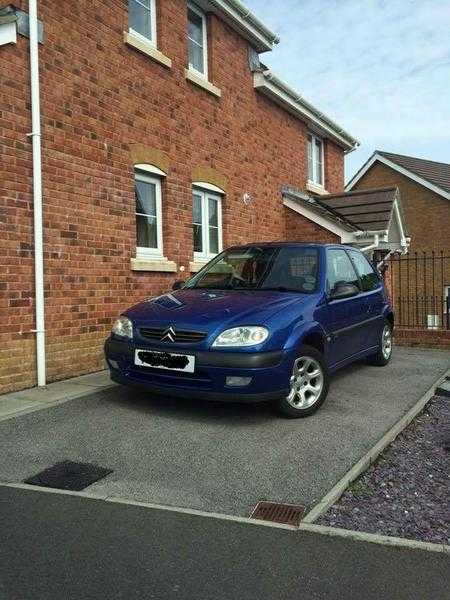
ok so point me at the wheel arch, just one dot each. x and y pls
(389, 316)
(313, 336)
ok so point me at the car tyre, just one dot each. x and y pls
(384, 353)
(309, 385)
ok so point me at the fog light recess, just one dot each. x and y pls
(238, 381)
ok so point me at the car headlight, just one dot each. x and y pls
(242, 336)
(123, 327)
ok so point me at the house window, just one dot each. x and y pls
(197, 41)
(207, 224)
(148, 215)
(142, 19)
(315, 160)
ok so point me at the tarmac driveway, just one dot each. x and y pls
(219, 457)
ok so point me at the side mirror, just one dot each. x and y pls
(343, 290)
(178, 284)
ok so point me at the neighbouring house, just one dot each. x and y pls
(163, 140)
(420, 281)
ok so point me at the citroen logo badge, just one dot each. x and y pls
(168, 335)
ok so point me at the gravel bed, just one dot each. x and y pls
(406, 492)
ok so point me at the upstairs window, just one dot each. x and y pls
(315, 160)
(207, 224)
(197, 41)
(142, 19)
(148, 215)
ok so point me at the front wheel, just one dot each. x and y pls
(308, 384)
(383, 356)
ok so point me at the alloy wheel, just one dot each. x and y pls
(306, 383)
(386, 342)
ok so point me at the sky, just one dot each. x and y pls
(380, 69)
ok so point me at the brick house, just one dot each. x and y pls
(424, 186)
(164, 139)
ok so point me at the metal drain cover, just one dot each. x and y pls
(288, 514)
(69, 475)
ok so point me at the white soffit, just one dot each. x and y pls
(8, 33)
(345, 235)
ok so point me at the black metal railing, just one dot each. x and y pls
(420, 289)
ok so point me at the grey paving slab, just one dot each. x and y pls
(63, 390)
(58, 547)
(220, 457)
(13, 405)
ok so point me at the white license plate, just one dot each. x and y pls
(164, 360)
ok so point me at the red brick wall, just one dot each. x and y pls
(426, 338)
(299, 228)
(100, 98)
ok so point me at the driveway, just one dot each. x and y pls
(220, 457)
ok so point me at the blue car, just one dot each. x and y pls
(260, 322)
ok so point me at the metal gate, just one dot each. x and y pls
(420, 289)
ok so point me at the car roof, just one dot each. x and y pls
(291, 244)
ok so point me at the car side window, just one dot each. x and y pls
(339, 269)
(369, 278)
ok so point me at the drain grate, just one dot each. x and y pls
(69, 475)
(288, 514)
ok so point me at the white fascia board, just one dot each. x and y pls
(242, 20)
(345, 235)
(398, 217)
(402, 170)
(8, 33)
(269, 85)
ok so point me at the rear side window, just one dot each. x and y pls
(369, 278)
(339, 269)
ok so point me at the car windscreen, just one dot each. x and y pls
(278, 268)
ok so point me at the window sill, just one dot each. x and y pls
(316, 188)
(147, 49)
(203, 83)
(195, 266)
(160, 265)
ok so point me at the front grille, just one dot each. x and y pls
(172, 336)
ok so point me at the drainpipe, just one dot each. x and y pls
(37, 194)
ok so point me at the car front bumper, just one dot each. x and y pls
(269, 373)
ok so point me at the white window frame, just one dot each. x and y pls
(315, 180)
(152, 15)
(191, 68)
(205, 194)
(142, 251)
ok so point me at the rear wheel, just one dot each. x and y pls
(308, 385)
(383, 356)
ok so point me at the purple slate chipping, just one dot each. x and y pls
(406, 492)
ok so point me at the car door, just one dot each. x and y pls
(344, 317)
(373, 294)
